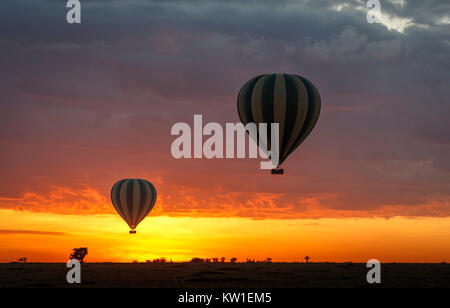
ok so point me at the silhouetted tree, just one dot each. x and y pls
(215, 260)
(222, 260)
(269, 260)
(22, 260)
(208, 260)
(197, 260)
(233, 260)
(79, 254)
(307, 259)
(160, 260)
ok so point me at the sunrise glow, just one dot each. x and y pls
(50, 237)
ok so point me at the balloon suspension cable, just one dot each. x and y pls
(277, 171)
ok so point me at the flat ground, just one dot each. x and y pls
(254, 275)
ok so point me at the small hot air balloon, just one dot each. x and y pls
(290, 100)
(133, 199)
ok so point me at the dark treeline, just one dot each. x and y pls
(215, 260)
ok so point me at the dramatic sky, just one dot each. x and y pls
(84, 105)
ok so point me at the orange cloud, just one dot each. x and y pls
(195, 202)
(60, 200)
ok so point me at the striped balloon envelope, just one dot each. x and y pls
(133, 199)
(290, 100)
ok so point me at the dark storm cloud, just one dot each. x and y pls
(78, 99)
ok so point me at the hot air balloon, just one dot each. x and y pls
(290, 100)
(133, 199)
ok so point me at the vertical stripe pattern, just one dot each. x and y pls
(290, 100)
(133, 199)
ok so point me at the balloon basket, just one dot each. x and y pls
(277, 171)
(132, 231)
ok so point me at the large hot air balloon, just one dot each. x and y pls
(133, 199)
(290, 100)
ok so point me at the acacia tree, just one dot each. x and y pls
(233, 260)
(307, 259)
(79, 254)
(22, 260)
